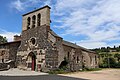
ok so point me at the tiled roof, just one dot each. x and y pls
(10, 42)
(36, 10)
(76, 46)
(70, 44)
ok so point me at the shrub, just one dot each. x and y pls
(118, 65)
(58, 71)
(106, 64)
(91, 69)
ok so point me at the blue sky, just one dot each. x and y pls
(89, 23)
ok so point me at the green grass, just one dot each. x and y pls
(58, 71)
(61, 71)
(92, 69)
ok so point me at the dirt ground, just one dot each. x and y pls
(105, 74)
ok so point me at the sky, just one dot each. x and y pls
(88, 23)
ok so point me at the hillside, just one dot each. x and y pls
(108, 56)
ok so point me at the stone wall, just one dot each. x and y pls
(74, 57)
(3, 66)
(4, 55)
(90, 59)
(10, 51)
(40, 34)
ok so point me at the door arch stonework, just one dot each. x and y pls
(31, 61)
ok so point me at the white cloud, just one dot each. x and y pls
(18, 5)
(90, 44)
(95, 44)
(22, 5)
(8, 35)
(99, 20)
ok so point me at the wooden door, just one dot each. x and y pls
(33, 64)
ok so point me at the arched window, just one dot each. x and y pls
(78, 59)
(33, 21)
(28, 22)
(96, 59)
(68, 55)
(38, 19)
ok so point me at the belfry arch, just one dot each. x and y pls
(28, 22)
(33, 21)
(38, 19)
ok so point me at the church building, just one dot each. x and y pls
(39, 48)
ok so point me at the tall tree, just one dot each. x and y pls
(117, 56)
(3, 39)
(109, 62)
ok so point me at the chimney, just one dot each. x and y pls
(17, 38)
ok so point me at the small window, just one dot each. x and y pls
(96, 59)
(43, 60)
(33, 21)
(77, 59)
(28, 22)
(91, 60)
(38, 19)
(74, 57)
(58, 39)
(40, 51)
(33, 41)
(68, 55)
(84, 61)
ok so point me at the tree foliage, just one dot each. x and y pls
(117, 56)
(107, 49)
(109, 60)
(3, 39)
(109, 56)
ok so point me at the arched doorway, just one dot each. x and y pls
(31, 59)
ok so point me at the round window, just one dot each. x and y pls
(33, 41)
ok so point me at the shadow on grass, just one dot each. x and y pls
(40, 77)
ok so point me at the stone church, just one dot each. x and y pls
(39, 48)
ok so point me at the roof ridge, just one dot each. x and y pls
(77, 46)
(37, 10)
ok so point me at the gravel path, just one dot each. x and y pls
(17, 72)
(105, 74)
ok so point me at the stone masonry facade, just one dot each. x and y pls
(39, 48)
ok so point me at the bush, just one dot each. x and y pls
(118, 65)
(91, 69)
(106, 64)
(58, 71)
(103, 65)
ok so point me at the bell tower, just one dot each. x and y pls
(36, 18)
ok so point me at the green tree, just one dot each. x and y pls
(114, 47)
(102, 55)
(3, 39)
(118, 65)
(117, 56)
(111, 63)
